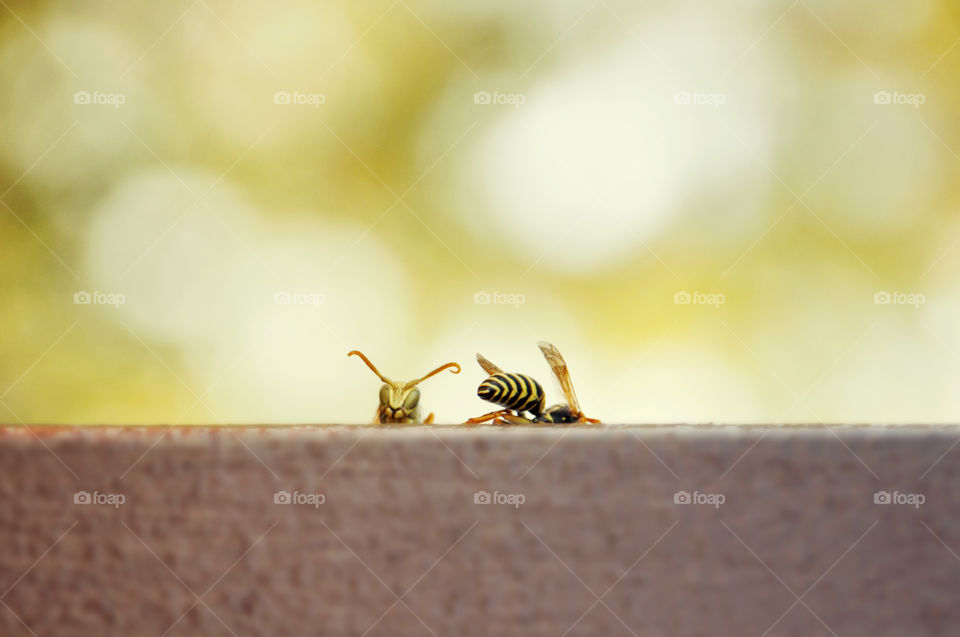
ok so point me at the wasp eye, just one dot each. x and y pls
(385, 394)
(410, 402)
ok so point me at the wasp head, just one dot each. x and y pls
(399, 401)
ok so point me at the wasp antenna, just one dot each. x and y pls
(370, 365)
(434, 373)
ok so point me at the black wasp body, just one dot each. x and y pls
(513, 391)
(518, 393)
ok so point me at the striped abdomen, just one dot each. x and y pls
(513, 391)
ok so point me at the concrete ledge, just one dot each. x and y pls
(598, 520)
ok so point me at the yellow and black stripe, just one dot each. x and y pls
(513, 391)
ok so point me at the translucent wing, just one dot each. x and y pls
(487, 366)
(559, 367)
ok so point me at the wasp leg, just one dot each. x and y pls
(509, 419)
(484, 418)
(429, 419)
(592, 421)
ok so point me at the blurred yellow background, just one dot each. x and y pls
(733, 211)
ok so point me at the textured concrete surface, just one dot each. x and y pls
(588, 540)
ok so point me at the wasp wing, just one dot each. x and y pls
(487, 366)
(559, 367)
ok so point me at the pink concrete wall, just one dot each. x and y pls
(589, 536)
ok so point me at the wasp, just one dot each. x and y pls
(400, 402)
(518, 393)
